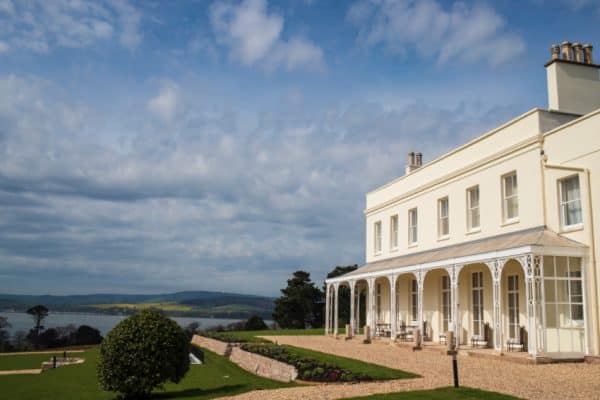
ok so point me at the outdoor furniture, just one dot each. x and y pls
(404, 333)
(442, 338)
(513, 344)
(383, 329)
(478, 341)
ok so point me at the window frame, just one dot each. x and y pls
(377, 238)
(446, 303)
(477, 319)
(394, 237)
(414, 300)
(440, 219)
(561, 204)
(505, 218)
(514, 327)
(470, 208)
(413, 239)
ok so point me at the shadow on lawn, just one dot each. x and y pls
(217, 392)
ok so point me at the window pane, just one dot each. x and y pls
(561, 267)
(512, 207)
(562, 293)
(548, 266)
(550, 316)
(577, 312)
(575, 266)
(549, 291)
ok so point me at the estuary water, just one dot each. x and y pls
(104, 323)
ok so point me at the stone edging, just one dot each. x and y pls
(254, 363)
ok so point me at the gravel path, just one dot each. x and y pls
(550, 381)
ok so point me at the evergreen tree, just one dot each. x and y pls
(301, 303)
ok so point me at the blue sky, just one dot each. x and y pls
(221, 145)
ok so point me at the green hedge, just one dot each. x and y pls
(309, 369)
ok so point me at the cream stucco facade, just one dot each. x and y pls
(496, 240)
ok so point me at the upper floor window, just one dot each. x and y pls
(412, 226)
(473, 208)
(510, 197)
(394, 231)
(443, 218)
(570, 201)
(377, 237)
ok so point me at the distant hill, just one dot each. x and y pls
(190, 303)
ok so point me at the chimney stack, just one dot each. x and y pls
(573, 79)
(555, 51)
(577, 53)
(415, 160)
(566, 51)
(587, 53)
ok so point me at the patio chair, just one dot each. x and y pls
(513, 344)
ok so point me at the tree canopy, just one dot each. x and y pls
(141, 353)
(301, 303)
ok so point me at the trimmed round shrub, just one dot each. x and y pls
(141, 353)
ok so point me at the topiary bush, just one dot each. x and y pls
(141, 353)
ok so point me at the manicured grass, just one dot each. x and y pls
(252, 336)
(377, 372)
(440, 394)
(27, 361)
(217, 377)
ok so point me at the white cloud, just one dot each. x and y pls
(7, 7)
(460, 32)
(3, 47)
(40, 25)
(210, 201)
(166, 103)
(254, 36)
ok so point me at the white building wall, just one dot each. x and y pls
(526, 162)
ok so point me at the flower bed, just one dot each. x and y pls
(309, 369)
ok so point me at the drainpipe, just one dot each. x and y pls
(593, 251)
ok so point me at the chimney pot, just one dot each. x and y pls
(555, 51)
(587, 53)
(411, 158)
(419, 159)
(566, 50)
(577, 53)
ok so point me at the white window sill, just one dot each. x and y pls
(411, 245)
(473, 231)
(394, 249)
(377, 254)
(510, 222)
(442, 238)
(571, 228)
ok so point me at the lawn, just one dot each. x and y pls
(217, 377)
(27, 361)
(252, 336)
(440, 394)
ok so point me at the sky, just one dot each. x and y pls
(152, 146)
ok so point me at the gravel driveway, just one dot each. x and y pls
(550, 381)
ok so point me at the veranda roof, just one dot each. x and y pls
(538, 236)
